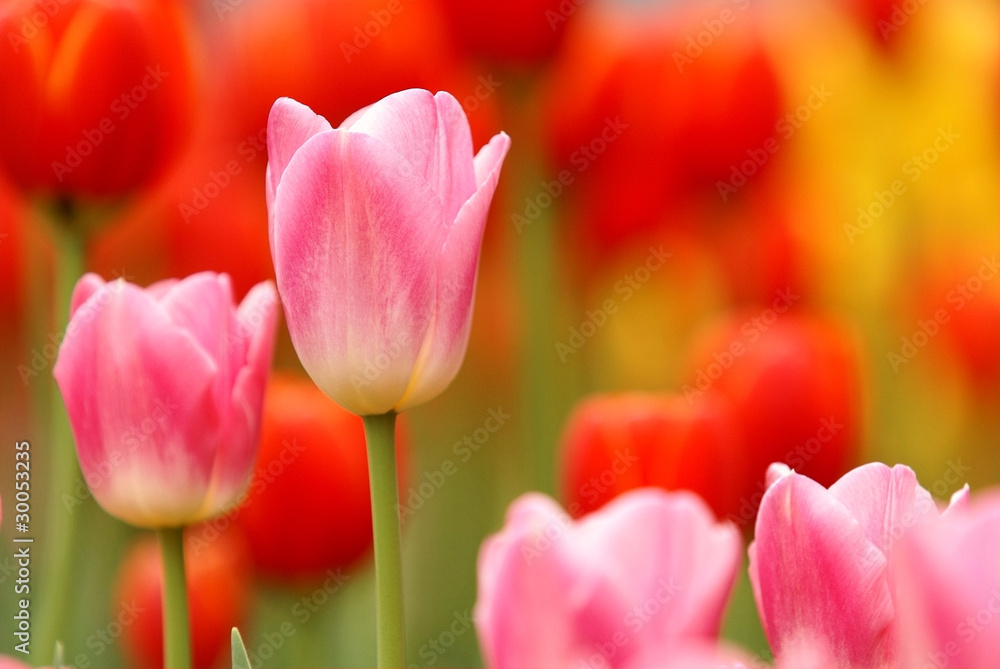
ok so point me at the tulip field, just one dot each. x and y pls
(562, 334)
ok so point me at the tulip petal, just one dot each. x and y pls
(237, 451)
(88, 284)
(635, 581)
(948, 588)
(444, 347)
(355, 229)
(683, 563)
(532, 609)
(432, 134)
(886, 501)
(289, 125)
(816, 576)
(133, 417)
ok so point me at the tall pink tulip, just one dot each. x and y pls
(824, 565)
(375, 232)
(164, 388)
(629, 585)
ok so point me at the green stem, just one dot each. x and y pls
(176, 629)
(62, 463)
(380, 433)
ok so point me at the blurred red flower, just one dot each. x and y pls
(795, 382)
(309, 505)
(648, 108)
(520, 32)
(219, 594)
(615, 443)
(97, 96)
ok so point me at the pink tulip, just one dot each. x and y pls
(948, 588)
(628, 585)
(164, 388)
(375, 232)
(823, 564)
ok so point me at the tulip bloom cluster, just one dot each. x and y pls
(867, 573)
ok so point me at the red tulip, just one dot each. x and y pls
(309, 505)
(519, 32)
(633, 108)
(335, 57)
(218, 587)
(795, 383)
(615, 443)
(97, 96)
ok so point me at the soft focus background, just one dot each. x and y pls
(783, 215)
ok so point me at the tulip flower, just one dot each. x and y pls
(795, 382)
(948, 588)
(375, 232)
(636, 580)
(615, 443)
(164, 388)
(523, 32)
(219, 588)
(634, 104)
(97, 95)
(311, 472)
(823, 563)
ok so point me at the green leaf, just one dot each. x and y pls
(58, 661)
(240, 659)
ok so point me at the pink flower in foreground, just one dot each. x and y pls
(825, 565)
(164, 387)
(948, 588)
(375, 231)
(631, 584)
